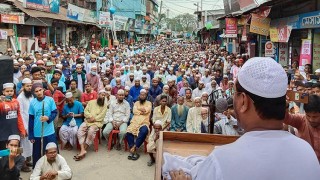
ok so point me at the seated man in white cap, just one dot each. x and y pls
(51, 166)
(265, 146)
(144, 81)
(117, 118)
(10, 116)
(135, 90)
(197, 92)
(152, 141)
(139, 125)
(11, 165)
(94, 114)
(72, 115)
(194, 118)
(130, 82)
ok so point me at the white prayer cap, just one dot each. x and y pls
(23, 66)
(131, 74)
(14, 137)
(20, 60)
(8, 85)
(82, 57)
(317, 71)
(136, 79)
(225, 76)
(15, 62)
(53, 52)
(143, 76)
(33, 65)
(16, 54)
(144, 68)
(59, 66)
(59, 49)
(45, 55)
(51, 145)
(204, 93)
(165, 86)
(26, 81)
(143, 91)
(158, 122)
(69, 95)
(146, 86)
(263, 77)
(93, 67)
(127, 88)
(102, 91)
(78, 66)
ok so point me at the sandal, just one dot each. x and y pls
(151, 163)
(135, 157)
(79, 158)
(130, 156)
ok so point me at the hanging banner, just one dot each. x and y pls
(283, 54)
(316, 51)
(260, 25)
(75, 12)
(269, 49)
(104, 19)
(305, 54)
(280, 34)
(89, 16)
(244, 33)
(12, 19)
(231, 27)
(43, 5)
(120, 22)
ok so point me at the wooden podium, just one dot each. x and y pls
(186, 144)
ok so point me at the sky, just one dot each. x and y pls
(177, 7)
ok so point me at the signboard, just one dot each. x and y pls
(260, 25)
(3, 34)
(280, 34)
(283, 54)
(75, 12)
(120, 22)
(316, 51)
(89, 16)
(244, 33)
(305, 54)
(12, 19)
(104, 19)
(309, 20)
(231, 27)
(269, 49)
(43, 5)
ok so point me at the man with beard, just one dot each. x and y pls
(194, 118)
(94, 114)
(173, 93)
(25, 74)
(135, 90)
(264, 142)
(16, 69)
(93, 78)
(51, 166)
(188, 101)
(198, 91)
(179, 116)
(72, 115)
(139, 125)
(130, 82)
(109, 74)
(308, 124)
(42, 113)
(117, 118)
(24, 99)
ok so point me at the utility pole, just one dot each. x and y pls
(159, 18)
(197, 6)
(168, 13)
(201, 5)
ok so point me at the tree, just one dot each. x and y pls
(187, 21)
(162, 20)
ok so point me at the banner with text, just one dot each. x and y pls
(231, 27)
(283, 54)
(260, 25)
(120, 22)
(75, 12)
(12, 18)
(316, 51)
(43, 5)
(104, 19)
(280, 34)
(305, 54)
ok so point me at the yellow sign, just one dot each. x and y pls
(260, 25)
(274, 35)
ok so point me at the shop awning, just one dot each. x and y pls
(40, 14)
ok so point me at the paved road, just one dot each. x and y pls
(103, 165)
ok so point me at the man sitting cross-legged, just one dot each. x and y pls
(117, 117)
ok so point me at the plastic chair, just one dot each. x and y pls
(96, 141)
(114, 139)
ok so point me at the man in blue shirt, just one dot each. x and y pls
(72, 114)
(135, 90)
(155, 89)
(42, 113)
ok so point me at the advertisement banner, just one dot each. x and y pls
(260, 25)
(280, 34)
(316, 51)
(3, 34)
(244, 33)
(43, 5)
(89, 16)
(309, 20)
(130, 26)
(12, 19)
(305, 54)
(104, 19)
(269, 49)
(120, 22)
(231, 27)
(283, 54)
(75, 12)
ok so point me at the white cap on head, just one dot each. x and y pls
(20, 60)
(143, 91)
(8, 85)
(26, 81)
(263, 77)
(59, 66)
(69, 95)
(102, 91)
(33, 65)
(51, 145)
(78, 66)
(127, 88)
(158, 122)
(317, 71)
(14, 137)
(15, 62)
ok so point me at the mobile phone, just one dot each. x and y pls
(298, 96)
